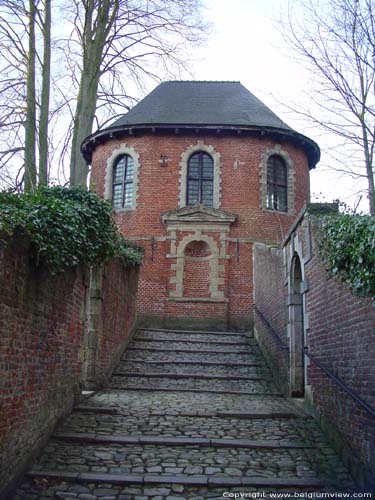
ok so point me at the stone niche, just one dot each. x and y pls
(198, 252)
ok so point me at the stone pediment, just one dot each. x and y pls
(198, 213)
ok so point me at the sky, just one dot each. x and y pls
(246, 45)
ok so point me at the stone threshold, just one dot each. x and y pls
(201, 376)
(200, 391)
(198, 332)
(81, 437)
(193, 480)
(192, 351)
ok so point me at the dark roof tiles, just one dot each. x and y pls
(201, 103)
(198, 105)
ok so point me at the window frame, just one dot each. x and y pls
(276, 162)
(124, 182)
(200, 178)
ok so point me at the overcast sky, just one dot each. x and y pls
(246, 45)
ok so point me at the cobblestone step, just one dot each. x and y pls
(244, 415)
(91, 486)
(194, 357)
(194, 385)
(177, 347)
(181, 402)
(187, 415)
(192, 480)
(194, 333)
(191, 367)
(228, 461)
(204, 364)
(187, 375)
(165, 440)
(192, 340)
(254, 426)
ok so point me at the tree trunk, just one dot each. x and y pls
(94, 36)
(45, 96)
(30, 121)
(83, 120)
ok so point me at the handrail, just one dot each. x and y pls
(271, 329)
(340, 383)
(327, 372)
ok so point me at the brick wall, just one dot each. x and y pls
(341, 334)
(338, 331)
(118, 315)
(43, 347)
(158, 191)
(270, 312)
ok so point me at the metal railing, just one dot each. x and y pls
(277, 337)
(316, 362)
(340, 383)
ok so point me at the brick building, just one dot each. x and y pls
(197, 173)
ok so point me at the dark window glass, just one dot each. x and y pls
(122, 186)
(277, 184)
(200, 180)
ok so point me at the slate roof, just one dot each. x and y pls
(201, 103)
(201, 106)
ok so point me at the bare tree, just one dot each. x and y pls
(30, 116)
(335, 40)
(45, 94)
(103, 53)
(23, 116)
(124, 40)
(13, 68)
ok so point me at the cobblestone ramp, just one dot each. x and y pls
(186, 415)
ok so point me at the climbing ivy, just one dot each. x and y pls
(348, 248)
(66, 227)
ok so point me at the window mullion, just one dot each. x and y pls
(123, 181)
(200, 182)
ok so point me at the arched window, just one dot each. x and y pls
(200, 180)
(122, 183)
(277, 184)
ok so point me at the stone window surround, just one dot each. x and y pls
(121, 150)
(195, 148)
(277, 150)
(215, 269)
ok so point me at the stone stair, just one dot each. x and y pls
(186, 415)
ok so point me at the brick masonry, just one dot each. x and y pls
(338, 329)
(270, 300)
(238, 189)
(46, 332)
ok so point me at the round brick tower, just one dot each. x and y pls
(197, 172)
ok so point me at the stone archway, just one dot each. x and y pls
(296, 329)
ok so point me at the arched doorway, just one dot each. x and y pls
(296, 330)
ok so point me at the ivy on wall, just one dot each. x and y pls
(348, 248)
(66, 227)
